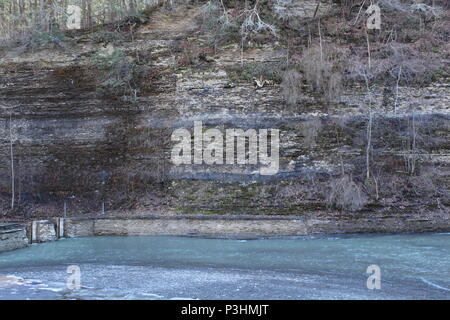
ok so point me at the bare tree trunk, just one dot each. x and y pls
(413, 162)
(396, 90)
(19, 173)
(48, 7)
(369, 144)
(288, 49)
(359, 12)
(242, 52)
(309, 37)
(369, 128)
(12, 162)
(89, 14)
(368, 50)
(320, 41)
(377, 192)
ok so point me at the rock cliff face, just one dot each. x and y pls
(73, 143)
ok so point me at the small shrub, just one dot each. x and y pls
(407, 51)
(291, 86)
(254, 24)
(284, 9)
(345, 194)
(322, 70)
(334, 86)
(41, 39)
(428, 183)
(221, 27)
(310, 130)
(119, 71)
(232, 21)
(415, 67)
(128, 23)
(402, 62)
(259, 70)
(190, 54)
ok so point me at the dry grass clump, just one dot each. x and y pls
(310, 130)
(291, 86)
(321, 66)
(345, 194)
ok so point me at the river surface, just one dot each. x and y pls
(413, 266)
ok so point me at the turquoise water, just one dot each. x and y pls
(413, 266)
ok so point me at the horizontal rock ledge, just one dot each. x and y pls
(15, 235)
(247, 225)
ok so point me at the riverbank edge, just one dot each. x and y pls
(20, 235)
